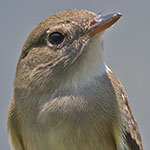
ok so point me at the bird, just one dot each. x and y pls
(65, 96)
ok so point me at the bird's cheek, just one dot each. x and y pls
(74, 51)
(38, 55)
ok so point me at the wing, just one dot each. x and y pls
(132, 135)
(14, 137)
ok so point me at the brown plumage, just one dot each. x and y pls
(65, 97)
(132, 135)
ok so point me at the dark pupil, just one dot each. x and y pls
(56, 38)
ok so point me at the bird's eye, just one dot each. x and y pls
(56, 38)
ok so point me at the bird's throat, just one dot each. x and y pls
(89, 65)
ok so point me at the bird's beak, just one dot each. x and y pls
(100, 23)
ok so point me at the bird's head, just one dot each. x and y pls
(66, 47)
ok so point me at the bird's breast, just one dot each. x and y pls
(73, 123)
(74, 120)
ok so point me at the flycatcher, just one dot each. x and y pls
(65, 97)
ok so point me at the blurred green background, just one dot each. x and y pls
(127, 49)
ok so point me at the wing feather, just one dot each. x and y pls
(14, 136)
(132, 135)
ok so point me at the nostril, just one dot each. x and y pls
(92, 23)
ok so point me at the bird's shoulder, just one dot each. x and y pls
(132, 135)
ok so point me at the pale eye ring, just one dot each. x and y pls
(56, 38)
